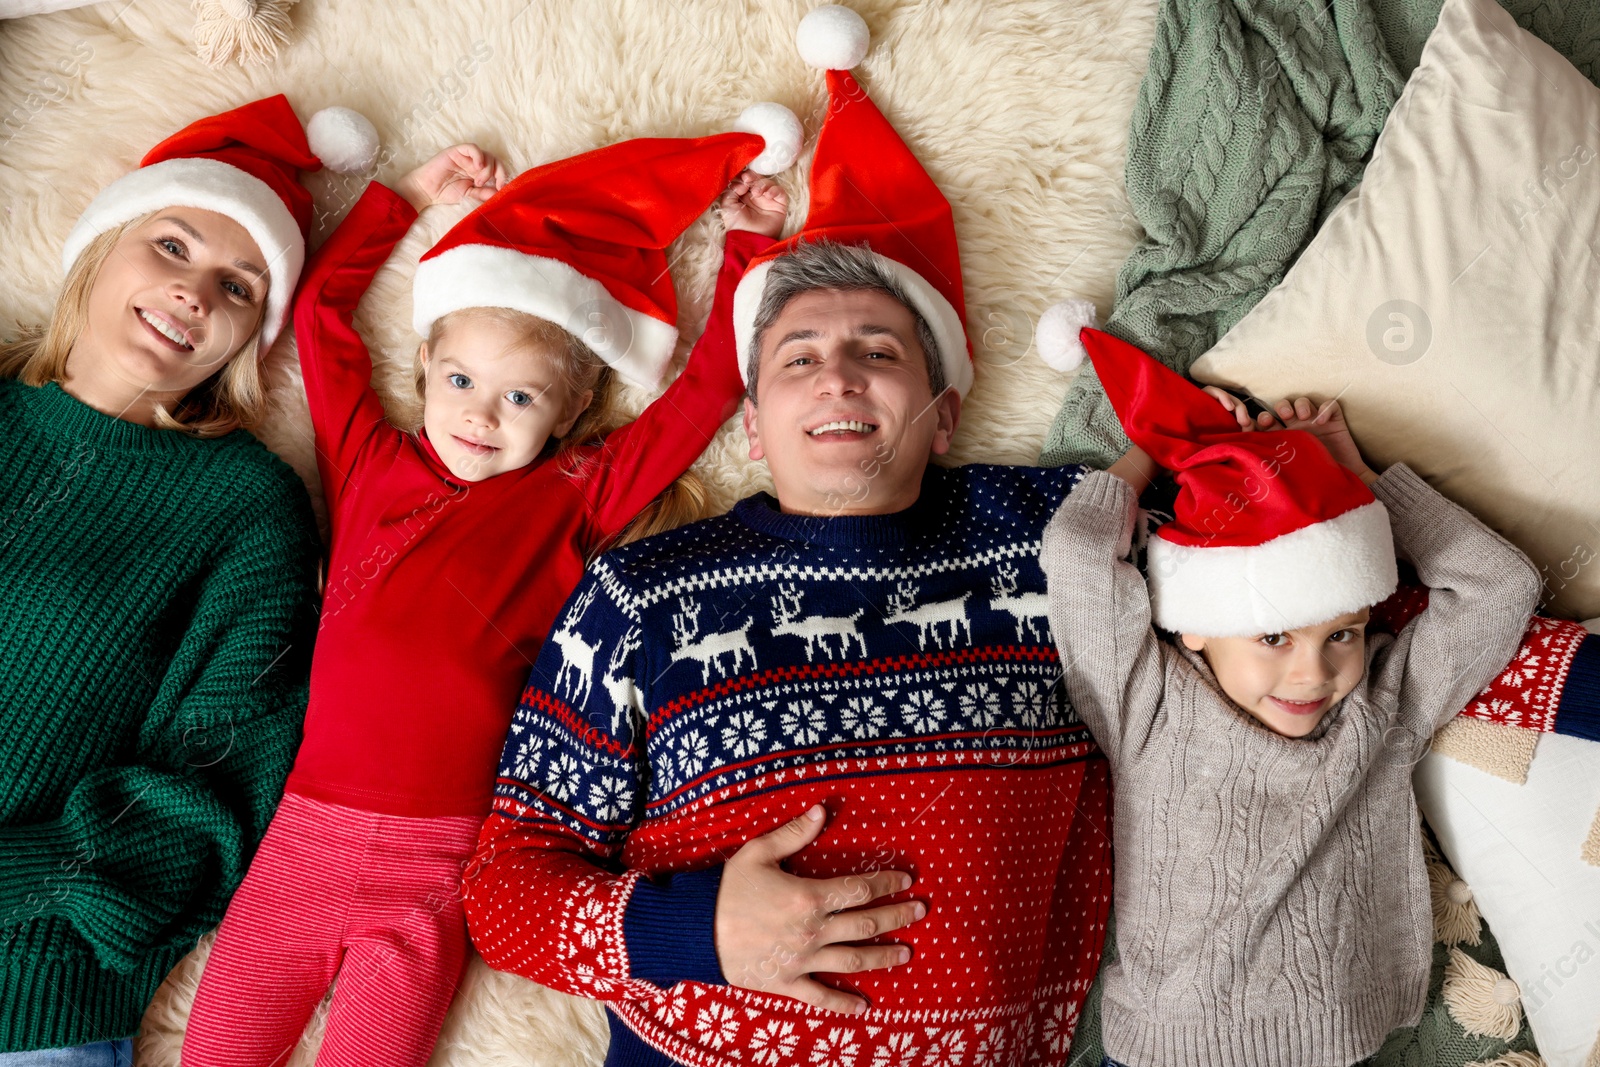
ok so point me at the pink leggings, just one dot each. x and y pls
(372, 898)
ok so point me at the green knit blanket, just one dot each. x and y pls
(1254, 119)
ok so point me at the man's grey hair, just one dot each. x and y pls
(841, 268)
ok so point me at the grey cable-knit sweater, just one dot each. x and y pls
(1271, 901)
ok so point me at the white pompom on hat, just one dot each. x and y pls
(345, 140)
(832, 38)
(781, 131)
(1057, 333)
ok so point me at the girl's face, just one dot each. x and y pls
(491, 401)
(175, 299)
(1289, 681)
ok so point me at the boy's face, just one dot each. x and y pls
(490, 400)
(845, 418)
(1289, 681)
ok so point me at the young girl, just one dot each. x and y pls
(452, 550)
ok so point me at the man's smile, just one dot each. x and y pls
(843, 428)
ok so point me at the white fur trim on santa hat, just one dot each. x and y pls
(636, 345)
(1302, 578)
(832, 38)
(210, 185)
(779, 128)
(928, 302)
(1057, 333)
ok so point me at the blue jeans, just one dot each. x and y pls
(95, 1054)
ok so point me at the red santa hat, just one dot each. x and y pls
(868, 189)
(1269, 532)
(244, 164)
(582, 242)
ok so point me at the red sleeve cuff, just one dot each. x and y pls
(741, 246)
(380, 193)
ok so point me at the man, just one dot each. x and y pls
(854, 678)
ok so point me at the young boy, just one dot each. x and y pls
(1271, 901)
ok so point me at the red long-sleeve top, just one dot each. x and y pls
(441, 592)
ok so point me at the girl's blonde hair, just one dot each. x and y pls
(235, 396)
(684, 501)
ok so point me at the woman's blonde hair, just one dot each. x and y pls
(234, 396)
(684, 501)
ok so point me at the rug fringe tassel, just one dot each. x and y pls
(1485, 1002)
(1455, 911)
(249, 30)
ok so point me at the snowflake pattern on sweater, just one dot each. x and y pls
(704, 686)
(1528, 693)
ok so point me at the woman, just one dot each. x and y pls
(157, 584)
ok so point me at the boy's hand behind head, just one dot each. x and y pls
(1327, 423)
(1232, 405)
(754, 203)
(460, 172)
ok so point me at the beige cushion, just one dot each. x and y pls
(1452, 301)
(1520, 849)
(1515, 824)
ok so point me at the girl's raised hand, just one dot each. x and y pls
(754, 203)
(460, 172)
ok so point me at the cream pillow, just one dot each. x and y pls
(1519, 846)
(1452, 300)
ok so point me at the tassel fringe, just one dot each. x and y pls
(1512, 1059)
(1485, 1002)
(249, 30)
(1455, 912)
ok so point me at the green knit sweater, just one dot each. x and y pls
(157, 608)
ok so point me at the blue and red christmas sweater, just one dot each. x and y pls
(706, 685)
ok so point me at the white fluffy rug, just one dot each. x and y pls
(1019, 110)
